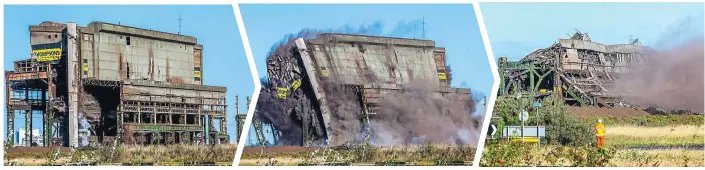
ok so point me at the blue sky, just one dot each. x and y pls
(225, 63)
(517, 29)
(452, 26)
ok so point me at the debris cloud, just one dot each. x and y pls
(420, 115)
(671, 79)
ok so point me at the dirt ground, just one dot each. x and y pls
(597, 111)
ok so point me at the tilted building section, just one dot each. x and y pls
(107, 82)
(578, 70)
(320, 83)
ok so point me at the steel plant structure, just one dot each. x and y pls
(107, 83)
(576, 69)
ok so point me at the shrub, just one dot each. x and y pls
(561, 128)
(503, 154)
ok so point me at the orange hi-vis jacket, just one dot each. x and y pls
(600, 129)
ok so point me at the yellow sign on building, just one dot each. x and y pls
(442, 76)
(281, 92)
(295, 85)
(197, 74)
(50, 54)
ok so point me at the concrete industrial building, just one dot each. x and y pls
(107, 82)
(312, 77)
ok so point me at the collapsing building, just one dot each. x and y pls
(580, 71)
(331, 89)
(107, 83)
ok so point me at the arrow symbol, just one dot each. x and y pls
(494, 129)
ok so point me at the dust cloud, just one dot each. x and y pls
(671, 79)
(420, 115)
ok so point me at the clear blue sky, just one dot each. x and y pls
(517, 29)
(225, 63)
(452, 26)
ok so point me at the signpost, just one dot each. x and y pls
(523, 116)
(537, 104)
(493, 129)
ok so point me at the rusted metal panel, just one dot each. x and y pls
(439, 55)
(25, 76)
(163, 128)
(175, 85)
(198, 64)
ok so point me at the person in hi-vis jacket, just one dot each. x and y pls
(600, 133)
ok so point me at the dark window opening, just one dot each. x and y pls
(128, 40)
(197, 78)
(177, 119)
(191, 119)
(48, 36)
(197, 68)
(55, 36)
(128, 70)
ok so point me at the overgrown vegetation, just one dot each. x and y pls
(126, 154)
(561, 127)
(366, 153)
(503, 154)
(631, 140)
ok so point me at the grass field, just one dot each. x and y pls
(127, 154)
(641, 141)
(658, 158)
(620, 136)
(518, 155)
(428, 154)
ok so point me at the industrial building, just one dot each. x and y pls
(576, 69)
(325, 90)
(106, 83)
